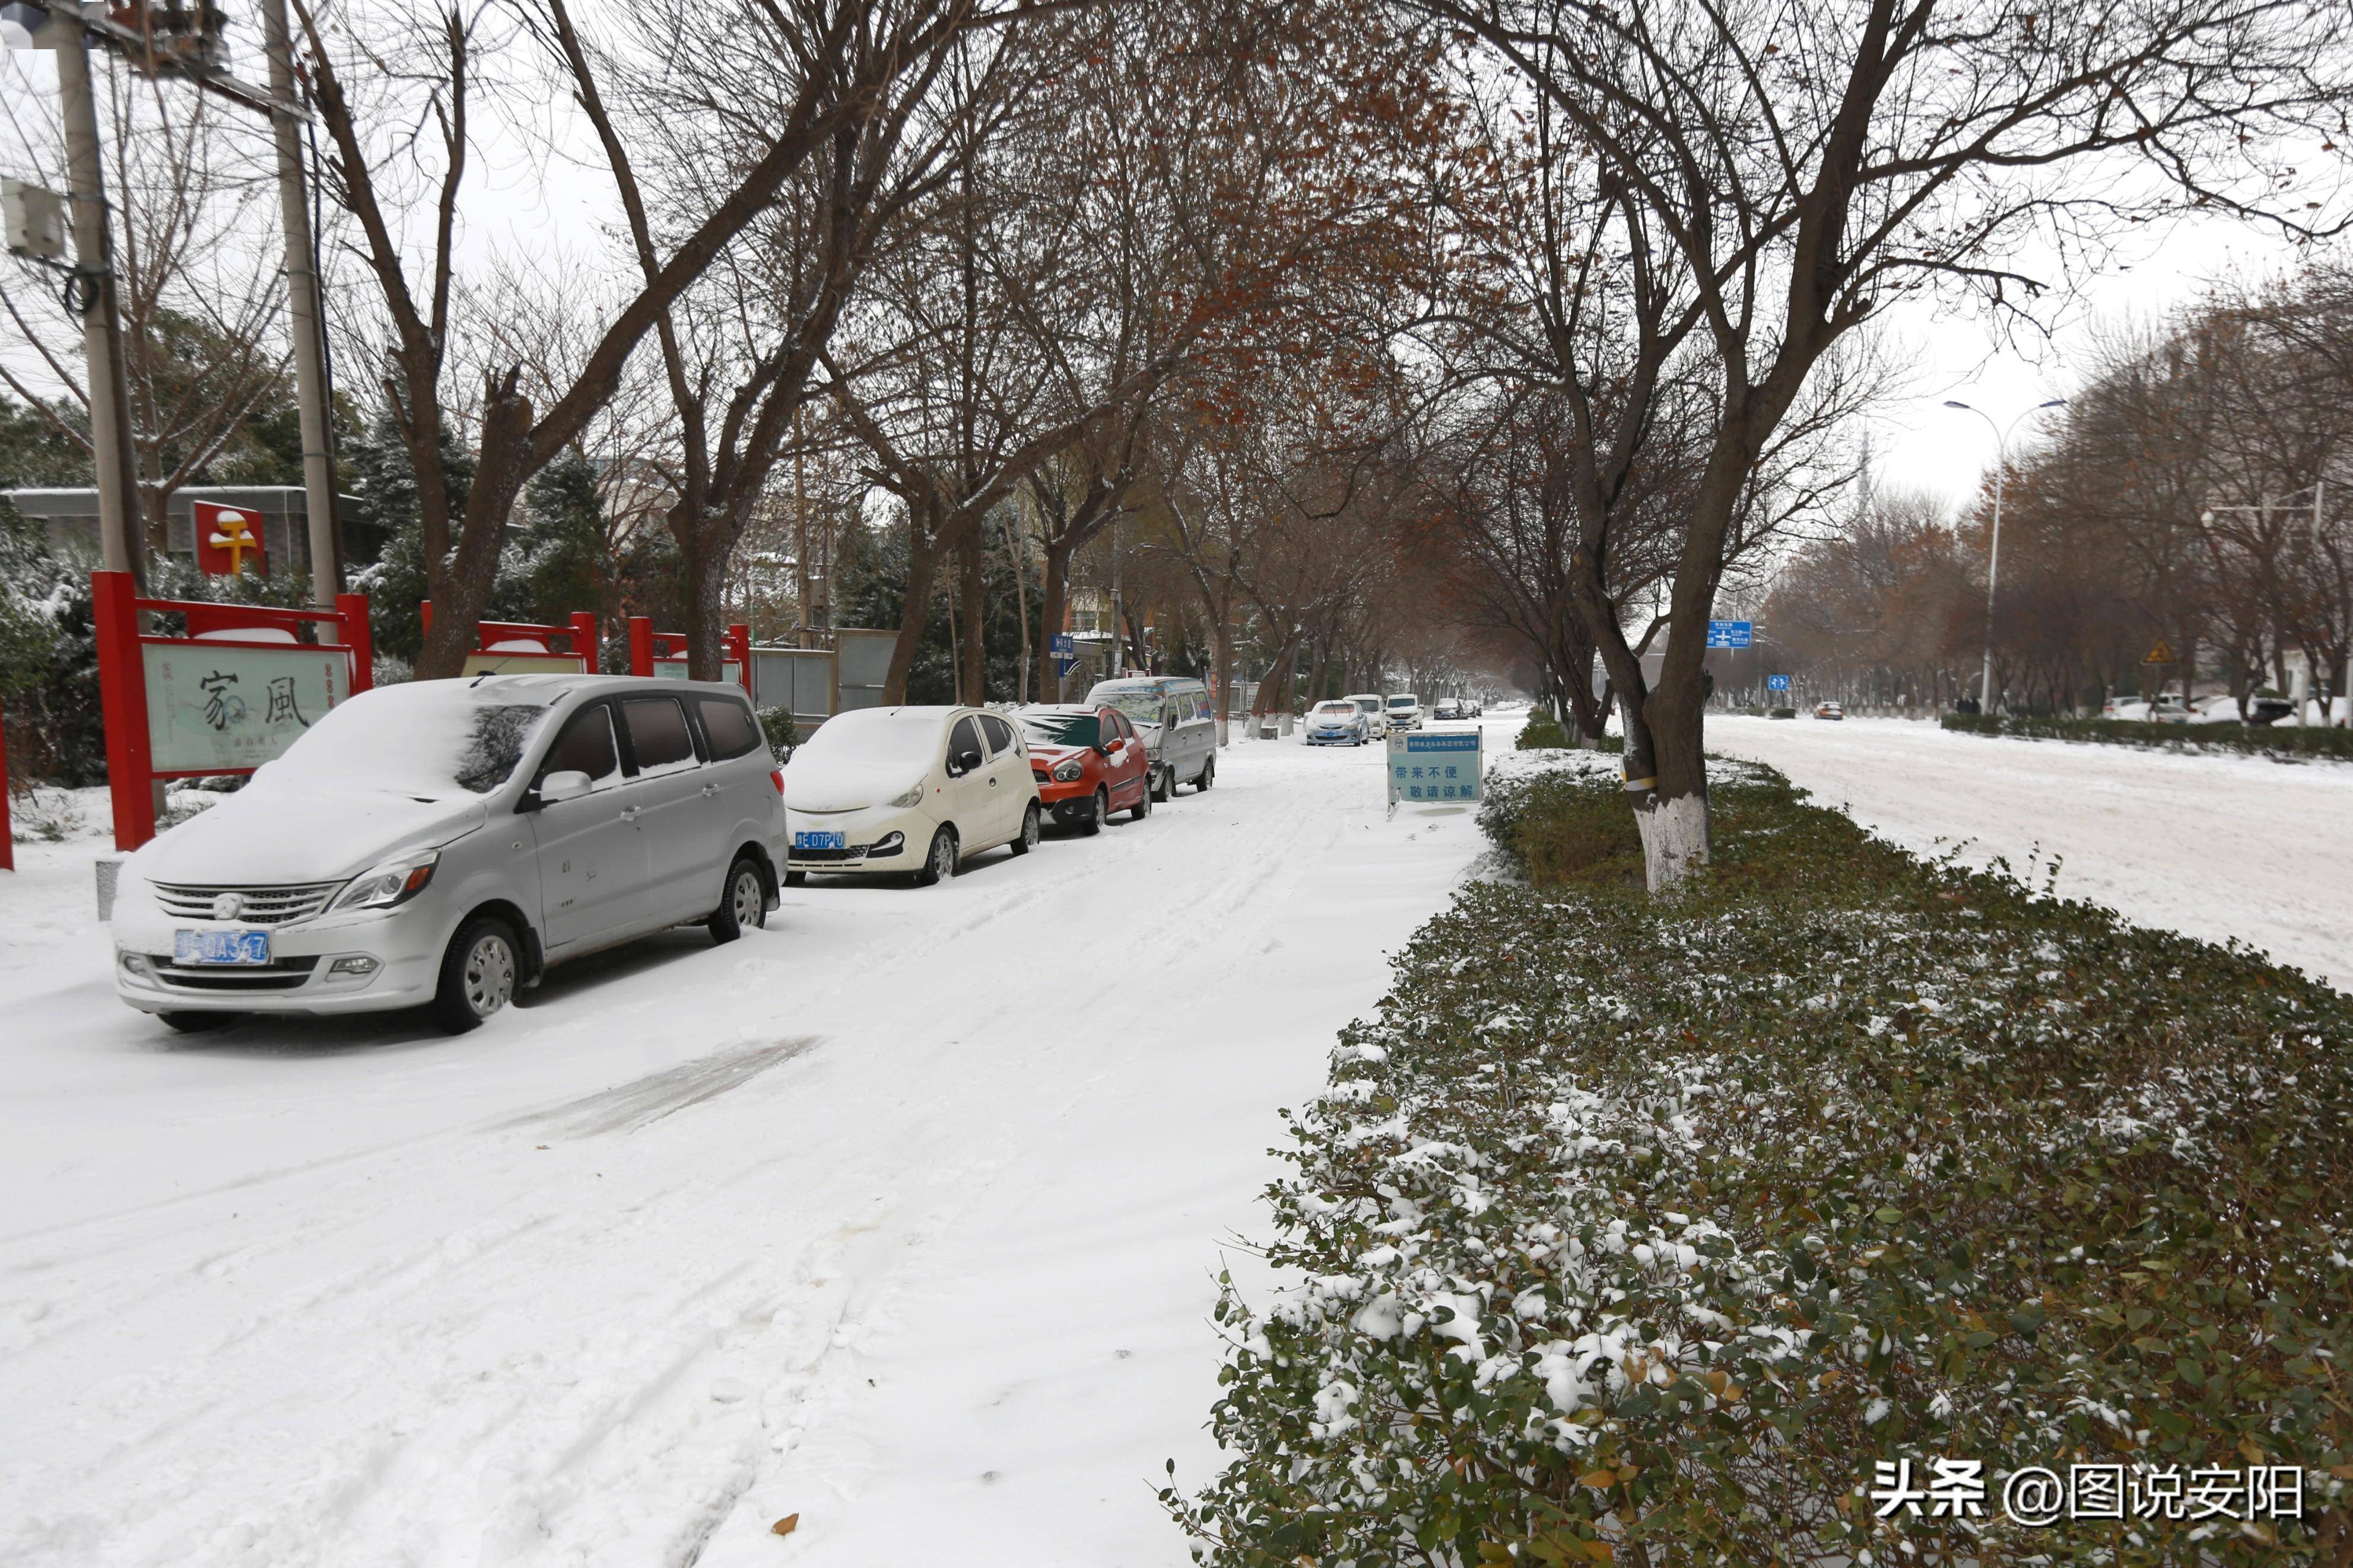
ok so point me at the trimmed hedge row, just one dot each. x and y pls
(1545, 732)
(1638, 1230)
(2258, 740)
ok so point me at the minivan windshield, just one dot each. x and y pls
(1061, 729)
(1401, 701)
(429, 739)
(1144, 707)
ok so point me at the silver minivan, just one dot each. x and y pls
(1177, 719)
(439, 844)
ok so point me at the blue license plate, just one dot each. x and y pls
(221, 946)
(817, 841)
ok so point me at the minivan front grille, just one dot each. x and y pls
(255, 906)
(278, 974)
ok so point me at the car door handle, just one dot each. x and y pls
(629, 814)
(709, 790)
(992, 781)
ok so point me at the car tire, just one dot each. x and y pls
(1164, 785)
(1209, 772)
(796, 878)
(479, 971)
(745, 901)
(200, 1023)
(940, 860)
(1030, 826)
(1142, 808)
(1098, 813)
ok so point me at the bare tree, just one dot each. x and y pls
(198, 291)
(844, 59)
(1741, 188)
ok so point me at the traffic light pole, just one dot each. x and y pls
(121, 536)
(305, 318)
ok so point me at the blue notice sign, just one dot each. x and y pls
(1777, 683)
(1061, 643)
(1442, 766)
(1063, 666)
(1729, 634)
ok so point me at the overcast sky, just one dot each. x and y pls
(1918, 443)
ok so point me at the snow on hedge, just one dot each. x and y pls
(1642, 1231)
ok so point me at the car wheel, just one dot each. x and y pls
(942, 860)
(745, 903)
(796, 878)
(1029, 826)
(1209, 772)
(1098, 813)
(1143, 807)
(1164, 785)
(200, 1023)
(477, 975)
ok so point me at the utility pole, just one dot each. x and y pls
(122, 536)
(305, 316)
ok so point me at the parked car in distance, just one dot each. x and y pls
(1404, 709)
(1087, 761)
(1446, 708)
(2268, 709)
(907, 791)
(1338, 722)
(1177, 721)
(1829, 711)
(1376, 710)
(439, 844)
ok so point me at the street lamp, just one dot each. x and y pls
(1993, 559)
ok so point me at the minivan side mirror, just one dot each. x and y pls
(569, 785)
(967, 761)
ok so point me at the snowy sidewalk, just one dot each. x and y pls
(902, 1216)
(2212, 847)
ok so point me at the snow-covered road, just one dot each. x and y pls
(902, 1216)
(2213, 846)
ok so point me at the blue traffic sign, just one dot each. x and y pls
(1777, 683)
(1729, 634)
(1063, 666)
(1061, 643)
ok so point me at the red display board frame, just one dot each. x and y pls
(579, 629)
(650, 649)
(115, 604)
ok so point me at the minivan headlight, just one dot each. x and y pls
(390, 884)
(914, 798)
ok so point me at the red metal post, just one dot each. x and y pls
(641, 646)
(584, 640)
(7, 833)
(425, 614)
(123, 702)
(739, 648)
(352, 610)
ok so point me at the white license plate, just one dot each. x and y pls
(221, 946)
(819, 841)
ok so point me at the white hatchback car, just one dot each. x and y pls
(913, 791)
(441, 843)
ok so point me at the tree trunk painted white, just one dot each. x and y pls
(1675, 839)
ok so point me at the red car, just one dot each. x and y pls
(1089, 761)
